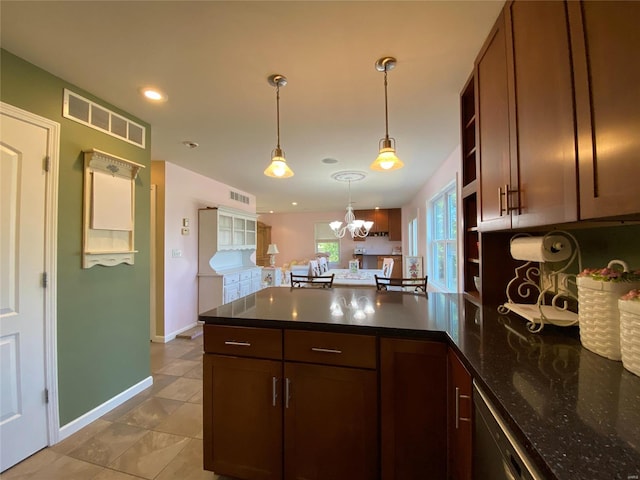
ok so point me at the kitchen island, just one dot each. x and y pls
(576, 414)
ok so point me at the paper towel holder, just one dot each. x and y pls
(541, 280)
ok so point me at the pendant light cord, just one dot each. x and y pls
(386, 111)
(278, 113)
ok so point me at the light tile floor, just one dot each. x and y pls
(155, 435)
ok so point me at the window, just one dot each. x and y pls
(327, 242)
(413, 237)
(442, 240)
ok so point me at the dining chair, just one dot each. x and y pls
(314, 268)
(323, 265)
(304, 281)
(412, 285)
(387, 267)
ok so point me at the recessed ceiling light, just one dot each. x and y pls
(270, 211)
(329, 161)
(294, 203)
(154, 94)
(190, 144)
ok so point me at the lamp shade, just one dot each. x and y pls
(278, 167)
(273, 249)
(387, 159)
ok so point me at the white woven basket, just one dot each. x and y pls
(598, 314)
(630, 334)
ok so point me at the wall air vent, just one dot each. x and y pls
(238, 197)
(92, 115)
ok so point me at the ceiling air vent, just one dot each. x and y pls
(238, 197)
(100, 118)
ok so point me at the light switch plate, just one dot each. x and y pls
(176, 253)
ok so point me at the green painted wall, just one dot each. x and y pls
(102, 312)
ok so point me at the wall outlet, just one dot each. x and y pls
(185, 231)
(176, 253)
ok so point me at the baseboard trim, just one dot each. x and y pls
(92, 415)
(171, 336)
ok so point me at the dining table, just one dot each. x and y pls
(363, 277)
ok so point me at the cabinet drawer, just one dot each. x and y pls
(231, 278)
(343, 349)
(246, 275)
(243, 341)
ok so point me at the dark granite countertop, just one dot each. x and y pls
(576, 413)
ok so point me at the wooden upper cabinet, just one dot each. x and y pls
(492, 105)
(381, 220)
(606, 61)
(395, 224)
(543, 146)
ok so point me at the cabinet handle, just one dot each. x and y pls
(237, 344)
(457, 408)
(458, 417)
(274, 391)
(287, 392)
(500, 194)
(325, 350)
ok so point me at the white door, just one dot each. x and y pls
(23, 198)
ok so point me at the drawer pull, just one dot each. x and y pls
(458, 417)
(325, 350)
(237, 344)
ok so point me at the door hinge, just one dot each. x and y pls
(45, 280)
(47, 163)
(46, 395)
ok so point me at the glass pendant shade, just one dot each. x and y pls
(387, 159)
(278, 167)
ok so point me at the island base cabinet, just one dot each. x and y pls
(413, 409)
(331, 426)
(460, 413)
(245, 440)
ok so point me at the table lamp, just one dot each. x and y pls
(272, 250)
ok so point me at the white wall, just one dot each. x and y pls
(447, 173)
(185, 193)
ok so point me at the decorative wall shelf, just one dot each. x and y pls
(108, 209)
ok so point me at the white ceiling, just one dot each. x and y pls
(213, 58)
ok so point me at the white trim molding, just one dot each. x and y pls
(92, 415)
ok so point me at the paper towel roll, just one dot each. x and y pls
(551, 248)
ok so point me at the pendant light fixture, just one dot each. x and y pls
(278, 167)
(387, 159)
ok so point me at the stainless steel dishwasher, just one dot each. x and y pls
(496, 453)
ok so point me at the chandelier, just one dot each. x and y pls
(356, 228)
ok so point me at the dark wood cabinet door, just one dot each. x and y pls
(413, 409)
(242, 418)
(492, 105)
(605, 38)
(381, 220)
(395, 224)
(543, 145)
(331, 423)
(460, 419)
